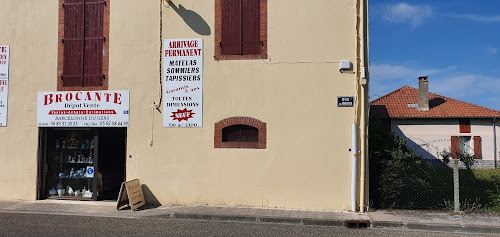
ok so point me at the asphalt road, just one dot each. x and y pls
(19, 224)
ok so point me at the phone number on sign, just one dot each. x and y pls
(112, 123)
(88, 124)
(64, 123)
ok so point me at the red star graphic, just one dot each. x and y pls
(182, 114)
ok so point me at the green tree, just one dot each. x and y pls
(392, 168)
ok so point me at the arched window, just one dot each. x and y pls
(240, 132)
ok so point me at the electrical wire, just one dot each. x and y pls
(297, 62)
(157, 106)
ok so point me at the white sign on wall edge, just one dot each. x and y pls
(183, 83)
(4, 83)
(83, 109)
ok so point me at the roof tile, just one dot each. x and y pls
(396, 105)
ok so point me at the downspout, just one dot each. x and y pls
(362, 58)
(354, 128)
(354, 174)
(361, 103)
(495, 143)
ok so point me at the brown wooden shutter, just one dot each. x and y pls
(231, 27)
(251, 26)
(73, 43)
(464, 125)
(477, 147)
(94, 42)
(454, 147)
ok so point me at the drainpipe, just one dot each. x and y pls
(361, 107)
(354, 175)
(495, 143)
(363, 75)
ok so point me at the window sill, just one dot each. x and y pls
(239, 57)
(251, 145)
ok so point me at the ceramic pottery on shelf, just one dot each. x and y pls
(53, 191)
(70, 191)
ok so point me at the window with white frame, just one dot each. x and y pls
(464, 144)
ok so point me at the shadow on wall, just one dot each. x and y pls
(149, 196)
(192, 19)
(425, 149)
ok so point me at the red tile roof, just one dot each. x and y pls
(395, 105)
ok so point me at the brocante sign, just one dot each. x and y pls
(83, 109)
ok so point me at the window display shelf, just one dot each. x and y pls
(76, 148)
(75, 177)
(71, 154)
(69, 197)
(78, 163)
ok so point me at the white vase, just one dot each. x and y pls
(53, 191)
(71, 192)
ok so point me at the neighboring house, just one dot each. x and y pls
(218, 102)
(433, 123)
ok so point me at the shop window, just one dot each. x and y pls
(240, 132)
(240, 29)
(83, 44)
(464, 125)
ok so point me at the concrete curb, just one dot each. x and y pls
(436, 227)
(286, 220)
(255, 219)
(339, 223)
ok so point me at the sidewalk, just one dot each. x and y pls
(484, 223)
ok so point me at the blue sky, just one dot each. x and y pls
(454, 42)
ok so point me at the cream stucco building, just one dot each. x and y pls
(273, 133)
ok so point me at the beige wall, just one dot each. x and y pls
(30, 28)
(307, 161)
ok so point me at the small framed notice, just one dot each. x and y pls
(345, 101)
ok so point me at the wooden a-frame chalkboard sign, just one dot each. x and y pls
(131, 194)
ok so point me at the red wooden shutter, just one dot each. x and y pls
(73, 43)
(251, 26)
(477, 147)
(464, 125)
(231, 27)
(454, 147)
(94, 42)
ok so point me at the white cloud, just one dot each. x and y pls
(391, 72)
(386, 77)
(492, 50)
(467, 85)
(405, 13)
(478, 18)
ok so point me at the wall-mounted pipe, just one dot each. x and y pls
(354, 176)
(362, 61)
(495, 155)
